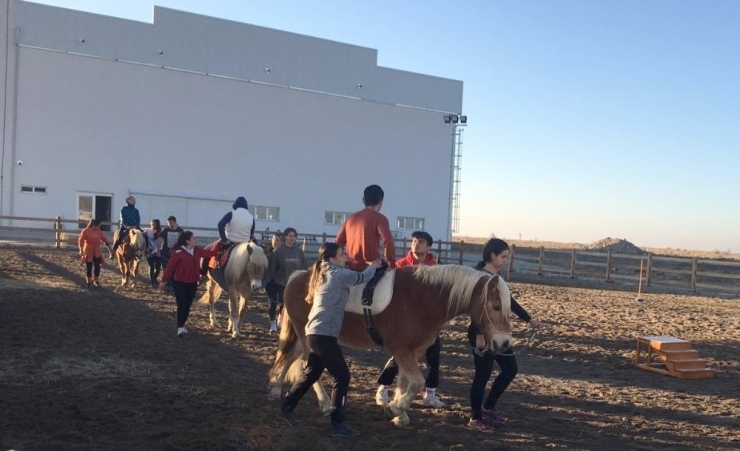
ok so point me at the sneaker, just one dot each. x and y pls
(431, 399)
(288, 417)
(381, 396)
(181, 331)
(495, 417)
(273, 326)
(96, 284)
(342, 430)
(481, 425)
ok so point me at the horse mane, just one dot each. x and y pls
(240, 257)
(461, 282)
(137, 239)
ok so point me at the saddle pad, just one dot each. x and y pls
(381, 295)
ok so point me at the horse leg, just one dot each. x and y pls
(234, 314)
(213, 291)
(410, 382)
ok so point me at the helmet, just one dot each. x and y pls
(131, 200)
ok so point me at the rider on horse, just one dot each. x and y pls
(235, 227)
(129, 218)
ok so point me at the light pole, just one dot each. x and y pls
(457, 122)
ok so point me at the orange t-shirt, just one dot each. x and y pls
(90, 240)
(361, 234)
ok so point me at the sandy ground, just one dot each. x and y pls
(84, 369)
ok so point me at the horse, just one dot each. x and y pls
(423, 299)
(243, 273)
(129, 254)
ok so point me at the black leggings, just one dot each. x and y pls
(155, 266)
(184, 295)
(275, 296)
(325, 354)
(483, 370)
(89, 267)
(432, 354)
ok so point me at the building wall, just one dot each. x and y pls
(200, 128)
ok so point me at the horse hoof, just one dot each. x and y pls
(399, 422)
(387, 413)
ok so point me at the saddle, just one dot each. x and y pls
(222, 255)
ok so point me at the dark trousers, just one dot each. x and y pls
(325, 354)
(432, 355)
(483, 370)
(155, 266)
(89, 267)
(184, 295)
(275, 296)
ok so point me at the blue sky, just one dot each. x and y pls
(587, 119)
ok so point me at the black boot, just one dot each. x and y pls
(339, 427)
(286, 411)
(220, 278)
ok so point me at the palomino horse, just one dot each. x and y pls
(129, 254)
(424, 298)
(243, 273)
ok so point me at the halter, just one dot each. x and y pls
(484, 297)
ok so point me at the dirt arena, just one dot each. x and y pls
(102, 369)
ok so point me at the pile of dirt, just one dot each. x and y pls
(616, 245)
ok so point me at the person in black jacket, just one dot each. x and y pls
(495, 254)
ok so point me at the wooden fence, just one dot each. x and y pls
(686, 273)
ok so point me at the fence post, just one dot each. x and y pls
(439, 252)
(649, 269)
(694, 269)
(608, 277)
(460, 258)
(58, 232)
(510, 269)
(542, 260)
(323, 238)
(573, 264)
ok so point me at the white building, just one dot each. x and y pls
(189, 112)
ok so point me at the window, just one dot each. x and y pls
(33, 189)
(410, 223)
(335, 217)
(265, 213)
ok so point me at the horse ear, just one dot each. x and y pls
(249, 249)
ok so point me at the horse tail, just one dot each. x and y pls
(287, 348)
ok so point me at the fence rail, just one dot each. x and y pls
(654, 270)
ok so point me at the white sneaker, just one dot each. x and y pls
(381, 396)
(273, 326)
(181, 331)
(430, 399)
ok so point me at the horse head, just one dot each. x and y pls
(491, 314)
(137, 241)
(256, 265)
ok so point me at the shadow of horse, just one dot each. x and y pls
(129, 254)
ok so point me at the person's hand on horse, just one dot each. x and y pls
(376, 264)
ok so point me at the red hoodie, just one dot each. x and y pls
(184, 267)
(410, 260)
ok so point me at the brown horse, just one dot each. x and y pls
(129, 254)
(423, 299)
(243, 273)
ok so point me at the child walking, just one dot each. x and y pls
(184, 269)
(328, 289)
(89, 243)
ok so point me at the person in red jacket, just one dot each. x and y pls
(184, 269)
(362, 231)
(421, 244)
